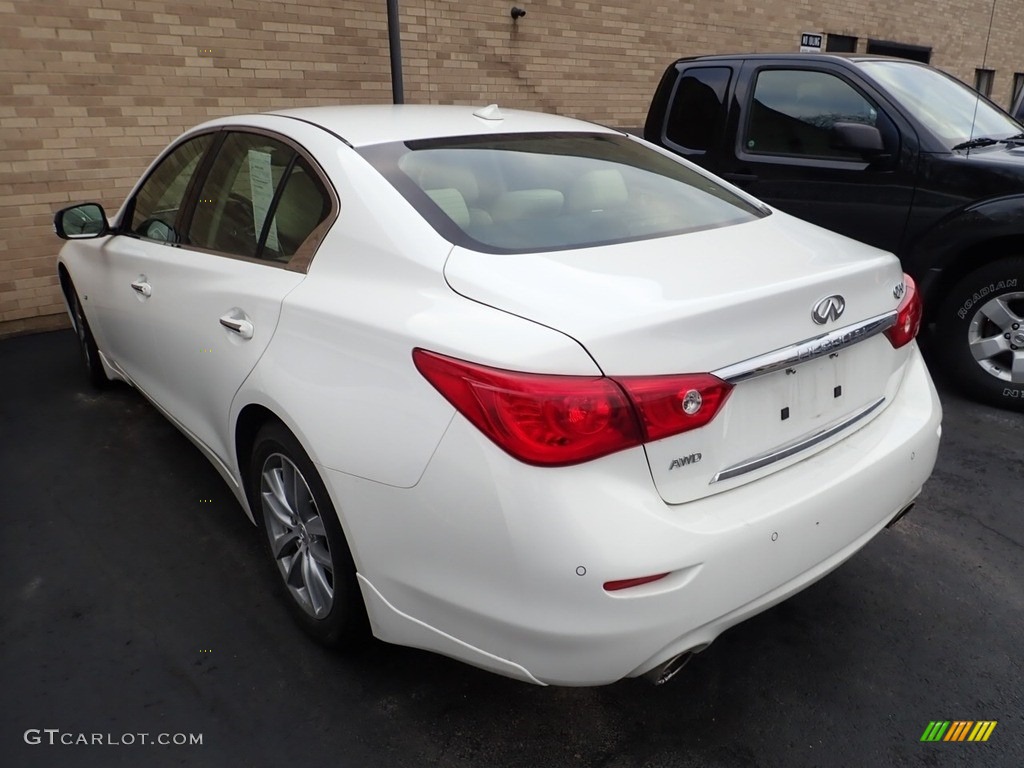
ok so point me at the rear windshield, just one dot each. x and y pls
(518, 193)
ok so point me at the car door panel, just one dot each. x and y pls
(191, 298)
(788, 162)
(179, 352)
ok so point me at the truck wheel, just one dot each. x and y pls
(980, 334)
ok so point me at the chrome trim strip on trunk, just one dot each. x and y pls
(778, 454)
(805, 350)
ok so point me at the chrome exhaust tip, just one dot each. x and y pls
(900, 514)
(662, 674)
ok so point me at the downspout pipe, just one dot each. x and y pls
(395, 44)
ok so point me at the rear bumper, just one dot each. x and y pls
(502, 565)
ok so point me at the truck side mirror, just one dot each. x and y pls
(858, 137)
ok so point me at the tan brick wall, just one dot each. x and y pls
(90, 90)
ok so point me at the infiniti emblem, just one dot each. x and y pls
(829, 308)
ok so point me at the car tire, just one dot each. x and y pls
(304, 539)
(86, 343)
(979, 331)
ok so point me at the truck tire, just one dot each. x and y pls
(980, 334)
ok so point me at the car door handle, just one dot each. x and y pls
(242, 327)
(143, 288)
(739, 178)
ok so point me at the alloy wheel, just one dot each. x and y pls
(298, 539)
(996, 337)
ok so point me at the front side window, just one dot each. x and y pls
(794, 110)
(154, 210)
(261, 199)
(518, 193)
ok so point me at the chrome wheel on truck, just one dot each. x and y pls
(980, 333)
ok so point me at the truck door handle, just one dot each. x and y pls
(739, 179)
(142, 287)
(241, 326)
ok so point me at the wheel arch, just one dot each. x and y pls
(64, 277)
(65, 284)
(250, 420)
(968, 239)
(972, 257)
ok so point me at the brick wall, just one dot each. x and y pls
(91, 90)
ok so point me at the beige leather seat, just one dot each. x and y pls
(597, 191)
(521, 204)
(451, 201)
(299, 210)
(440, 181)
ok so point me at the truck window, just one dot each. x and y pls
(794, 110)
(697, 114)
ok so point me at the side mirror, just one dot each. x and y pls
(81, 222)
(858, 137)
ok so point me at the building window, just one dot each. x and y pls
(983, 81)
(922, 53)
(841, 44)
(1018, 86)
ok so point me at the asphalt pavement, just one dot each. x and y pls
(135, 600)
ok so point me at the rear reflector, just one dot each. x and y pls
(552, 420)
(908, 316)
(614, 586)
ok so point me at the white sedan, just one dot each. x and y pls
(518, 389)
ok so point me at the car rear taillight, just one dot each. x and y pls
(552, 420)
(908, 316)
(669, 405)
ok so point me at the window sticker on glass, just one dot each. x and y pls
(261, 184)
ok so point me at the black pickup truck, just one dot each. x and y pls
(891, 152)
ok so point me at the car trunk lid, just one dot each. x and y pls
(735, 301)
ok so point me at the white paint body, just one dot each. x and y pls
(462, 549)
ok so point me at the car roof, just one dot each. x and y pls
(848, 57)
(362, 125)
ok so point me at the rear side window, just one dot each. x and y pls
(697, 116)
(519, 193)
(794, 110)
(260, 199)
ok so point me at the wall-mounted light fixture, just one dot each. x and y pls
(517, 13)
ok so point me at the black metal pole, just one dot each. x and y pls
(395, 43)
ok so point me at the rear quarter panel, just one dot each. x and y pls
(339, 370)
